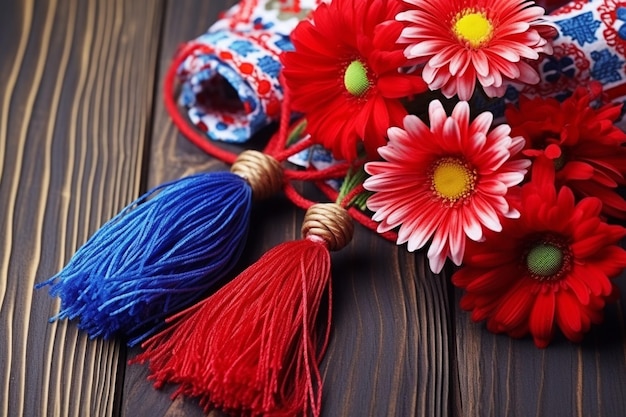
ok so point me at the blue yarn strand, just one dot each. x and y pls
(160, 254)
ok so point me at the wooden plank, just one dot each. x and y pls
(499, 376)
(77, 87)
(171, 157)
(389, 349)
(389, 353)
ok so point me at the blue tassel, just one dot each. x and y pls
(160, 254)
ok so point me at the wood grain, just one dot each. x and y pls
(83, 132)
(171, 157)
(77, 87)
(500, 376)
(388, 354)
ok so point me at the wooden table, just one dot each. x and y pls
(83, 132)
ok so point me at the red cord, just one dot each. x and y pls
(351, 195)
(356, 214)
(292, 150)
(274, 146)
(296, 198)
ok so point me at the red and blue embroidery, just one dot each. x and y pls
(231, 88)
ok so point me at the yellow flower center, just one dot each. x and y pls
(452, 179)
(473, 27)
(355, 78)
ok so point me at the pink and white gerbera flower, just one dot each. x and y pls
(446, 182)
(461, 41)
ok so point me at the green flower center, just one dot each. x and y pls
(472, 27)
(452, 179)
(544, 260)
(355, 78)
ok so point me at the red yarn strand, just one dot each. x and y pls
(347, 199)
(295, 197)
(253, 346)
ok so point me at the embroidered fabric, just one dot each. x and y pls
(231, 88)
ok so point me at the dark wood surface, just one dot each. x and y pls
(83, 132)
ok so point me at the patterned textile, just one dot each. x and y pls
(233, 90)
(591, 46)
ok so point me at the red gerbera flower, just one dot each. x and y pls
(344, 74)
(550, 268)
(583, 143)
(445, 182)
(461, 41)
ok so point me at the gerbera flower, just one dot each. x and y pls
(583, 143)
(461, 41)
(550, 268)
(344, 74)
(445, 182)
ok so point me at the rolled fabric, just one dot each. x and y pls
(590, 47)
(231, 86)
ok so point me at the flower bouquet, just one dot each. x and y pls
(474, 151)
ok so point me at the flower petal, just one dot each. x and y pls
(541, 322)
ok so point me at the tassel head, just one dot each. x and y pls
(329, 222)
(261, 171)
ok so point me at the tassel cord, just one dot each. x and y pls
(149, 240)
(158, 255)
(279, 140)
(197, 353)
(302, 202)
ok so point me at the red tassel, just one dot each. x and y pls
(256, 344)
